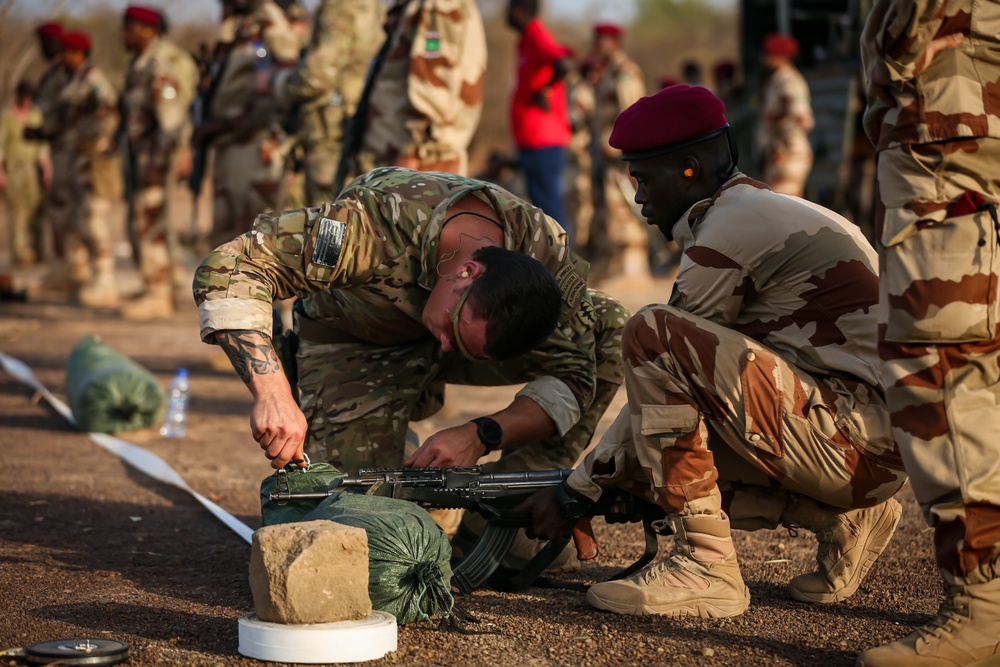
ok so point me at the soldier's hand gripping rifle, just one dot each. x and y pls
(494, 495)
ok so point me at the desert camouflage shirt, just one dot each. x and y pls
(957, 96)
(786, 114)
(85, 114)
(327, 83)
(366, 263)
(160, 85)
(620, 85)
(49, 86)
(792, 275)
(429, 95)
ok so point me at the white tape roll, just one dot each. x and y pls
(319, 643)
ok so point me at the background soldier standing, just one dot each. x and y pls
(426, 104)
(579, 161)
(786, 118)
(619, 242)
(322, 92)
(81, 128)
(25, 171)
(242, 124)
(159, 87)
(933, 71)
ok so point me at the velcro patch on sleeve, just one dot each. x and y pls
(329, 242)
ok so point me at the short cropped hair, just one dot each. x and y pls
(519, 299)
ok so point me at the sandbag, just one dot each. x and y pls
(409, 555)
(108, 392)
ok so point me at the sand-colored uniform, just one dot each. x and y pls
(160, 85)
(428, 98)
(364, 266)
(937, 134)
(579, 158)
(761, 371)
(22, 161)
(783, 127)
(324, 89)
(618, 242)
(86, 178)
(46, 95)
(248, 163)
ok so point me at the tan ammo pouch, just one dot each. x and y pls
(939, 276)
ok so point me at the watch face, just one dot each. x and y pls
(491, 432)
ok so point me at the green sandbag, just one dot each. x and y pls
(108, 392)
(408, 554)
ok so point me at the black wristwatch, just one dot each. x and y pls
(489, 431)
(572, 507)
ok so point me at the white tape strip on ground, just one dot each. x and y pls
(142, 460)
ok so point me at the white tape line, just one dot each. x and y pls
(141, 459)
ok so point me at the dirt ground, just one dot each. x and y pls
(90, 547)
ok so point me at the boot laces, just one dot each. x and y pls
(672, 563)
(952, 613)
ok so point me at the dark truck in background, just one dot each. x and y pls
(829, 33)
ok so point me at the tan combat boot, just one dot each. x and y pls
(102, 292)
(965, 632)
(157, 303)
(849, 544)
(700, 578)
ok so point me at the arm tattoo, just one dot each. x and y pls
(250, 352)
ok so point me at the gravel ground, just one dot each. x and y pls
(90, 547)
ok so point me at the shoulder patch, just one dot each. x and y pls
(329, 242)
(570, 283)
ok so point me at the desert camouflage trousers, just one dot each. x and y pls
(709, 406)
(79, 209)
(618, 242)
(787, 167)
(246, 181)
(154, 244)
(940, 266)
(23, 195)
(359, 399)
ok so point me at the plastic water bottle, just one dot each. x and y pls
(175, 423)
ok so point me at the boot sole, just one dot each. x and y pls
(879, 539)
(697, 608)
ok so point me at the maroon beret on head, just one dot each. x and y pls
(777, 44)
(724, 69)
(75, 41)
(144, 15)
(51, 30)
(675, 117)
(609, 29)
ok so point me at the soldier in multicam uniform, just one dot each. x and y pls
(160, 85)
(382, 274)
(933, 72)
(753, 396)
(323, 90)
(619, 242)
(427, 101)
(785, 120)
(242, 124)
(80, 126)
(25, 173)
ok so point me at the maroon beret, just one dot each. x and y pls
(724, 69)
(75, 41)
(144, 15)
(666, 81)
(50, 29)
(675, 117)
(777, 44)
(609, 29)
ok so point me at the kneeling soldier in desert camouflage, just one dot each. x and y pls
(754, 398)
(409, 281)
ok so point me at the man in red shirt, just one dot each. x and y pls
(539, 114)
